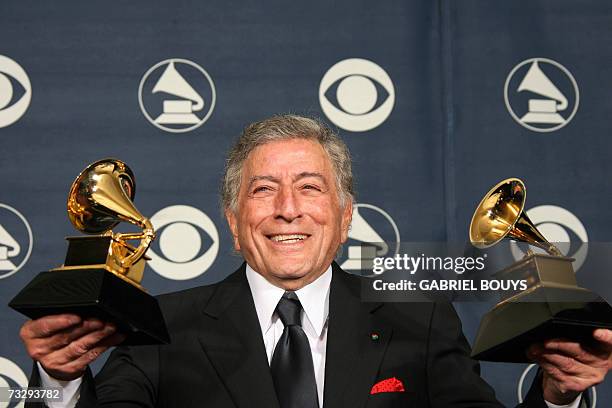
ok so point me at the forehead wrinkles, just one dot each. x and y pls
(307, 158)
(255, 157)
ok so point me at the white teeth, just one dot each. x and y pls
(288, 238)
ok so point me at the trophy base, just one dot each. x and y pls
(507, 331)
(97, 293)
(102, 251)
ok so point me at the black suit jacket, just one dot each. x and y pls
(217, 356)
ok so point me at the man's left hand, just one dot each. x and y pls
(570, 368)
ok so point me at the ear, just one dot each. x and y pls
(347, 217)
(232, 222)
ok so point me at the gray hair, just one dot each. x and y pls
(286, 127)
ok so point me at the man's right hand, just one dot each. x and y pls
(65, 344)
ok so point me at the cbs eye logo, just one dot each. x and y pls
(363, 92)
(188, 242)
(11, 376)
(528, 376)
(560, 227)
(15, 91)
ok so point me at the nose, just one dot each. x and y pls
(287, 205)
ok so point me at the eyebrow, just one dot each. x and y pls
(300, 176)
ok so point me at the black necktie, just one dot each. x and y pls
(292, 369)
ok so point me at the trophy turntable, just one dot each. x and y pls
(552, 306)
(101, 274)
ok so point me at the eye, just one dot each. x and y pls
(192, 238)
(15, 91)
(561, 228)
(356, 94)
(262, 189)
(187, 244)
(11, 90)
(311, 187)
(11, 376)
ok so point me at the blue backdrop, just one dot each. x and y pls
(437, 100)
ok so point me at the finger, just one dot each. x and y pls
(568, 383)
(98, 349)
(604, 336)
(587, 354)
(48, 325)
(564, 364)
(572, 367)
(41, 346)
(568, 348)
(81, 346)
(60, 369)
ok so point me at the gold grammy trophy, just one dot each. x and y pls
(552, 306)
(102, 273)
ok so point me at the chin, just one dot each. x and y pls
(292, 271)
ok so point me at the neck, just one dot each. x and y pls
(292, 283)
(295, 284)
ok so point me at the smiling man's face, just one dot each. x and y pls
(289, 223)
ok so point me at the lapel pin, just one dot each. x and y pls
(374, 336)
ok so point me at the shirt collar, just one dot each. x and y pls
(314, 298)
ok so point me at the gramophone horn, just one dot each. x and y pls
(501, 215)
(101, 197)
(101, 274)
(173, 83)
(536, 81)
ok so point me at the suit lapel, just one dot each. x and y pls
(355, 344)
(231, 338)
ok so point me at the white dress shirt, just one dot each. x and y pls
(314, 298)
(315, 309)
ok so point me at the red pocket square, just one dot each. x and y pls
(389, 385)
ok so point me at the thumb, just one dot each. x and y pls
(603, 336)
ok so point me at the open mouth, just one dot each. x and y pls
(288, 238)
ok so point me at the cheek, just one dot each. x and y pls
(253, 215)
(323, 214)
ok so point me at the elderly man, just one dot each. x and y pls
(288, 328)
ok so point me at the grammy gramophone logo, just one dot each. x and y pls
(177, 95)
(541, 95)
(16, 241)
(373, 233)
